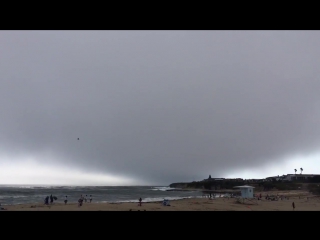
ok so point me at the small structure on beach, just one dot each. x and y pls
(246, 191)
(246, 194)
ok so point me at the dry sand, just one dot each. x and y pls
(303, 202)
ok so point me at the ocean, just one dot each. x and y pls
(24, 194)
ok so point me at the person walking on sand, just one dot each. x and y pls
(51, 199)
(140, 201)
(90, 198)
(293, 206)
(66, 200)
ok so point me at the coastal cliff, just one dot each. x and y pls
(225, 185)
(178, 185)
(207, 184)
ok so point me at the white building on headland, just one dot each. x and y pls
(292, 177)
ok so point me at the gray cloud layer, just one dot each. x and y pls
(163, 106)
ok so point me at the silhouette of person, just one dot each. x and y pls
(46, 200)
(80, 201)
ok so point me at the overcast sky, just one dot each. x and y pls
(156, 107)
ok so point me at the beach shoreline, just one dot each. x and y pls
(304, 201)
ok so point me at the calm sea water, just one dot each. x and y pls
(21, 194)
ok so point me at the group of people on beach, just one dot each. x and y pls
(275, 198)
(84, 199)
(46, 200)
(80, 201)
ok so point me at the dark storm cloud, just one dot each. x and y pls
(162, 106)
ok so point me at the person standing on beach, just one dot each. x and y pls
(293, 206)
(90, 198)
(66, 200)
(51, 199)
(80, 201)
(46, 200)
(140, 201)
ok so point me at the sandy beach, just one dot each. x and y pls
(303, 202)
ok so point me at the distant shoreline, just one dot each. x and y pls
(203, 190)
(184, 190)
